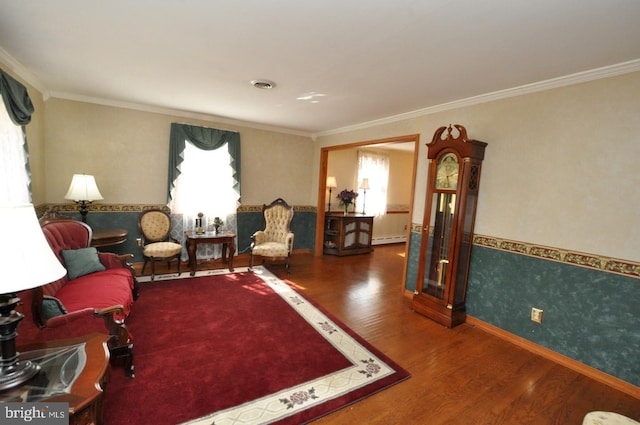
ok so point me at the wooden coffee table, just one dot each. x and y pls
(227, 239)
(73, 371)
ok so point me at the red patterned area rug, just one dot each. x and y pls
(240, 348)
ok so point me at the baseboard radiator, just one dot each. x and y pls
(388, 240)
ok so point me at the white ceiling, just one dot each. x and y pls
(369, 59)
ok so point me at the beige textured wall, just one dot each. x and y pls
(560, 168)
(400, 176)
(343, 165)
(128, 150)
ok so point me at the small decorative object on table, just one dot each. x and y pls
(347, 197)
(217, 222)
(199, 228)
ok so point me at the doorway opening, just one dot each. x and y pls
(407, 143)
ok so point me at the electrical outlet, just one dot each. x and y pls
(536, 315)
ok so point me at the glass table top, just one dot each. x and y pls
(59, 369)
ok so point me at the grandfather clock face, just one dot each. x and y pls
(447, 172)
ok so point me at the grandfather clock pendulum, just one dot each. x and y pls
(447, 232)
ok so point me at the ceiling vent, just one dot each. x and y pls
(263, 84)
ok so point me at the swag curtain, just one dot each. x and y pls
(205, 139)
(207, 182)
(16, 99)
(15, 113)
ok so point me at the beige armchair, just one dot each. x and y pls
(275, 242)
(157, 243)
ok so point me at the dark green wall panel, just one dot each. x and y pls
(302, 225)
(590, 315)
(412, 261)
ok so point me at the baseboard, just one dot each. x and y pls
(591, 372)
(388, 240)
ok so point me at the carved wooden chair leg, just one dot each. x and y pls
(120, 345)
(153, 269)
(136, 289)
(124, 352)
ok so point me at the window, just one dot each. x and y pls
(14, 176)
(205, 184)
(374, 167)
(205, 179)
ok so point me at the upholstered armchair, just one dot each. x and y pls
(157, 243)
(275, 242)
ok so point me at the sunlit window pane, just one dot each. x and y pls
(14, 180)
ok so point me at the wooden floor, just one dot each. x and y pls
(459, 376)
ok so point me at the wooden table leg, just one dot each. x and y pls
(228, 258)
(232, 251)
(224, 253)
(191, 250)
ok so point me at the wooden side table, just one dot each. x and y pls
(73, 371)
(227, 239)
(108, 237)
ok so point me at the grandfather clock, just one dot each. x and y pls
(447, 233)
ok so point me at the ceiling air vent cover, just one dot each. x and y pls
(263, 84)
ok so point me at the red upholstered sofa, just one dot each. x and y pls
(96, 294)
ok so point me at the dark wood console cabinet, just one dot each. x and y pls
(347, 234)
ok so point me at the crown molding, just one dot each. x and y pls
(21, 71)
(567, 80)
(176, 112)
(30, 78)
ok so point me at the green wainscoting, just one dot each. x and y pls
(303, 226)
(591, 311)
(249, 220)
(127, 220)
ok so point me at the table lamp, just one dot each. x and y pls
(364, 185)
(28, 262)
(83, 190)
(331, 184)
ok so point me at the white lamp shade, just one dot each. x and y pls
(83, 188)
(331, 182)
(364, 184)
(27, 258)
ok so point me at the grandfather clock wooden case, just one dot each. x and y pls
(447, 230)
